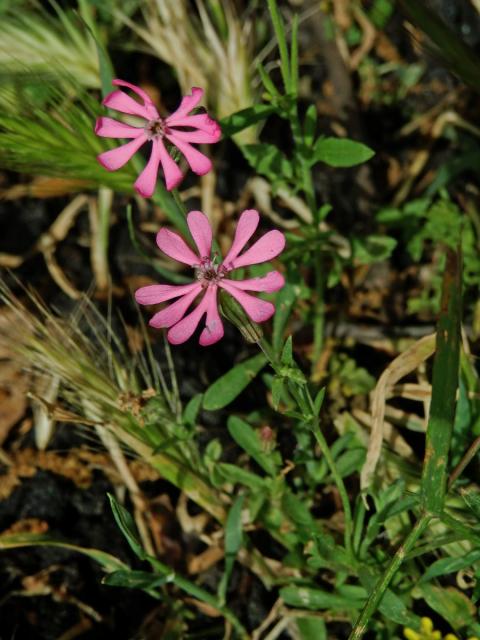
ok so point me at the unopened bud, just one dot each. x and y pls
(267, 437)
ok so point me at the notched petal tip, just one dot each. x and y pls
(197, 92)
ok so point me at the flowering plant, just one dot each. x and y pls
(210, 275)
(180, 129)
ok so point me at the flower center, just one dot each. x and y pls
(209, 273)
(156, 129)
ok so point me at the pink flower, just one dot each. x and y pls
(180, 129)
(209, 276)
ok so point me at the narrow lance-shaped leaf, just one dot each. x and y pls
(243, 119)
(233, 542)
(125, 522)
(229, 386)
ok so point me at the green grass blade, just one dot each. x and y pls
(279, 29)
(444, 388)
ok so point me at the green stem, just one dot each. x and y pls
(382, 585)
(178, 201)
(347, 511)
(304, 400)
(309, 190)
(319, 311)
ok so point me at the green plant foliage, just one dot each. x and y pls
(338, 152)
(224, 390)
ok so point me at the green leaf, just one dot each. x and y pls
(277, 391)
(310, 125)
(444, 388)
(231, 384)
(136, 580)
(127, 526)
(18, 540)
(340, 152)
(471, 497)
(267, 160)
(287, 353)
(452, 605)
(190, 412)
(449, 565)
(372, 249)
(248, 439)
(107, 73)
(318, 402)
(234, 474)
(391, 605)
(233, 543)
(233, 527)
(294, 57)
(310, 628)
(281, 37)
(267, 82)
(309, 598)
(243, 119)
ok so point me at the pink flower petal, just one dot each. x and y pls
(110, 128)
(258, 310)
(200, 121)
(184, 329)
(133, 87)
(271, 282)
(264, 249)
(213, 331)
(246, 227)
(171, 170)
(188, 103)
(195, 137)
(116, 158)
(119, 101)
(174, 312)
(201, 232)
(147, 180)
(175, 247)
(156, 293)
(199, 163)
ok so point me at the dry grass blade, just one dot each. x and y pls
(44, 43)
(105, 385)
(220, 60)
(405, 363)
